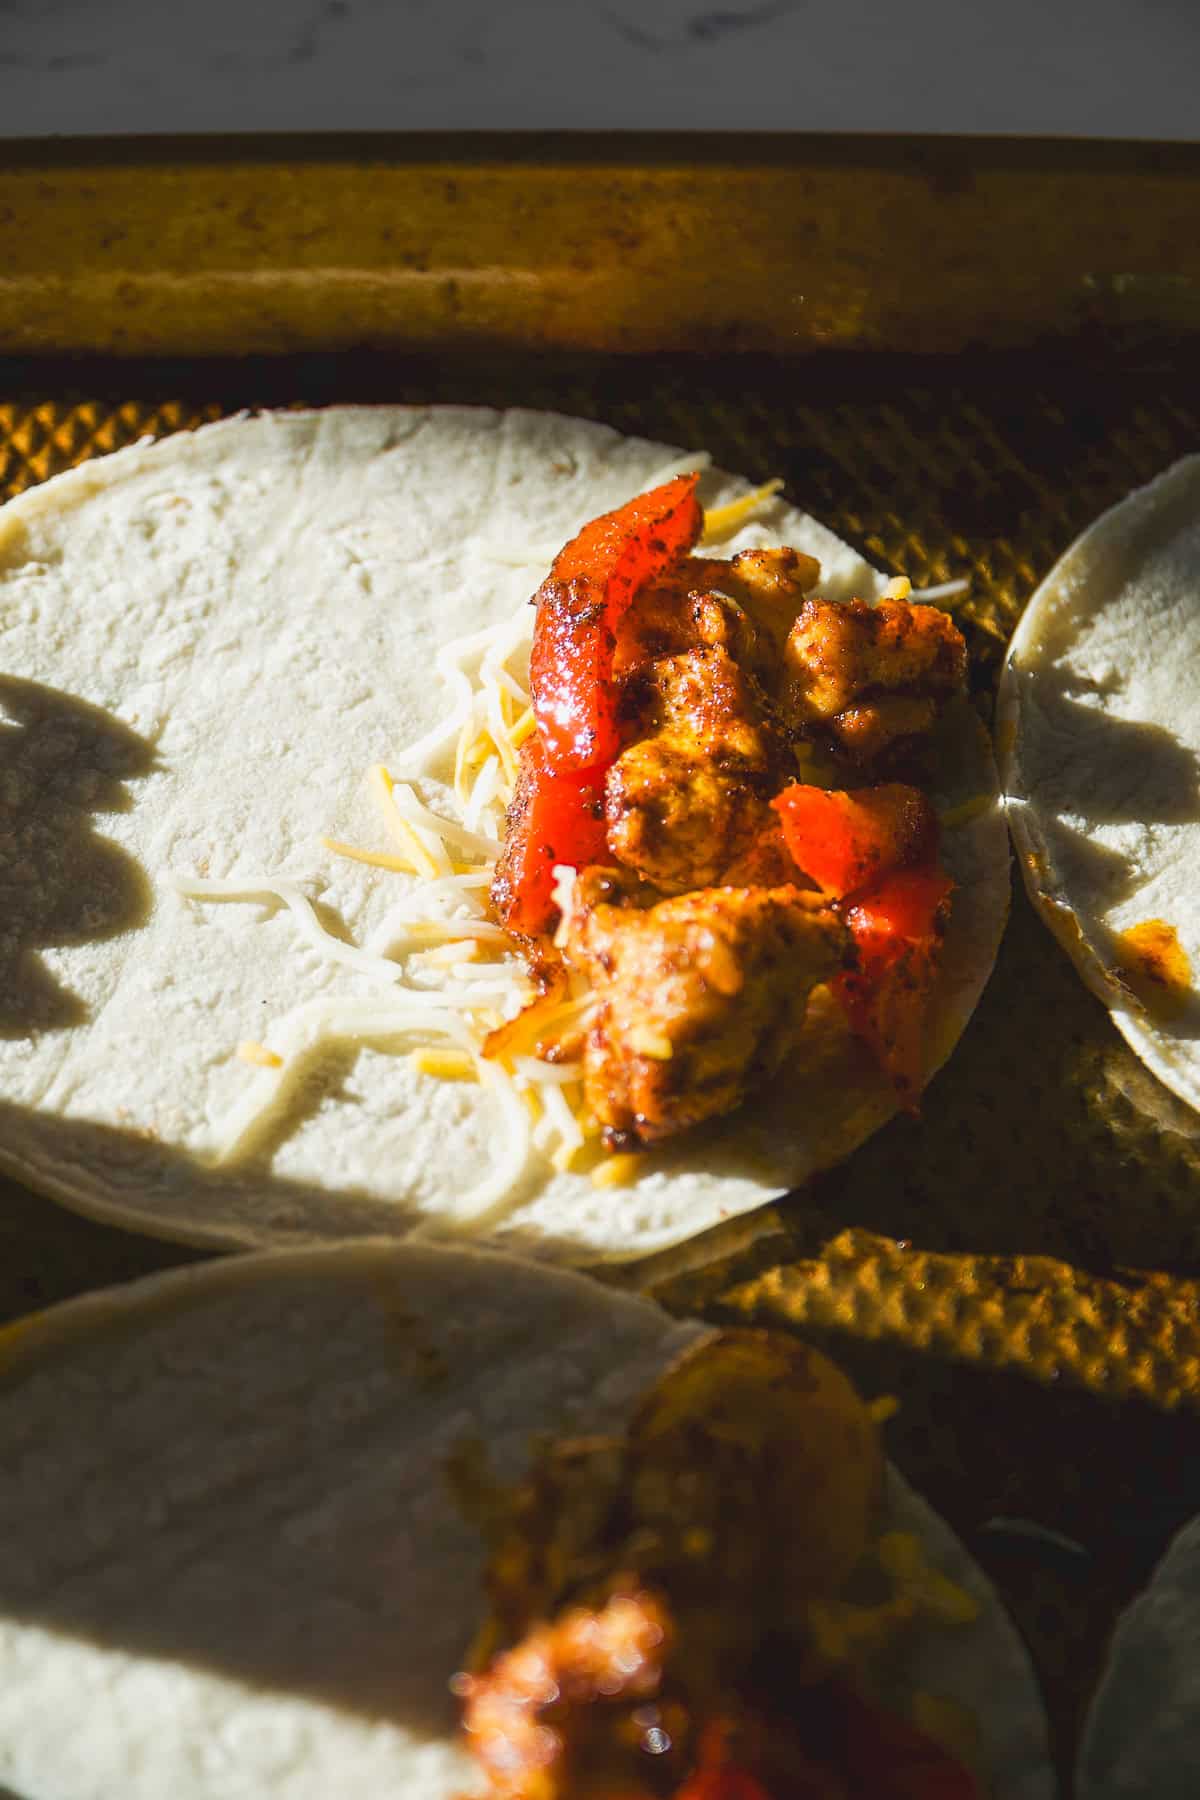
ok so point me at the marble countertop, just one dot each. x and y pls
(1097, 68)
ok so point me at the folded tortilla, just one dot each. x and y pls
(1099, 738)
(205, 645)
(231, 1563)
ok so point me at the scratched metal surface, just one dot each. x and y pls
(1023, 1266)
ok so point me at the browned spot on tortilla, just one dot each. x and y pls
(1154, 964)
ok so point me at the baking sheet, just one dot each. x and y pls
(1023, 1266)
(630, 242)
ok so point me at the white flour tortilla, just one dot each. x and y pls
(1099, 731)
(239, 622)
(1142, 1736)
(230, 1565)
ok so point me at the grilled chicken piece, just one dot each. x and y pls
(769, 587)
(701, 996)
(872, 679)
(765, 861)
(543, 1719)
(690, 794)
(680, 615)
(746, 606)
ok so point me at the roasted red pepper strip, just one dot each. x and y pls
(554, 818)
(850, 841)
(592, 583)
(897, 934)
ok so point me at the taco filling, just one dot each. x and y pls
(699, 1608)
(719, 809)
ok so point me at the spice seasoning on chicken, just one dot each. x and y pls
(677, 700)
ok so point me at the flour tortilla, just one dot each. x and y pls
(206, 644)
(230, 1562)
(1099, 730)
(1141, 1740)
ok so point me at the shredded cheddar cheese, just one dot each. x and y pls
(619, 1170)
(399, 828)
(468, 738)
(446, 1065)
(720, 522)
(376, 859)
(533, 1105)
(522, 728)
(259, 1055)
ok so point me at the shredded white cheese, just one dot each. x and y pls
(291, 895)
(941, 592)
(534, 1070)
(451, 974)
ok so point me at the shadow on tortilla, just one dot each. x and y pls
(262, 1492)
(245, 1499)
(1116, 770)
(61, 761)
(1108, 771)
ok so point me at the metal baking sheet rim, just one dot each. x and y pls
(633, 242)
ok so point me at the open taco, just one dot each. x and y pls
(1099, 737)
(287, 657)
(241, 1549)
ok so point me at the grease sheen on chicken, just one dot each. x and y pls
(872, 679)
(701, 995)
(701, 937)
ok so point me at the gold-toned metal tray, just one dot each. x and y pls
(1022, 1267)
(631, 242)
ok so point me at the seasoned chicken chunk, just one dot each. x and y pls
(769, 588)
(676, 616)
(765, 860)
(690, 794)
(871, 678)
(701, 996)
(746, 605)
(551, 1718)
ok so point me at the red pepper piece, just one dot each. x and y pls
(554, 818)
(897, 936)
(850, 841)
(592, 584)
